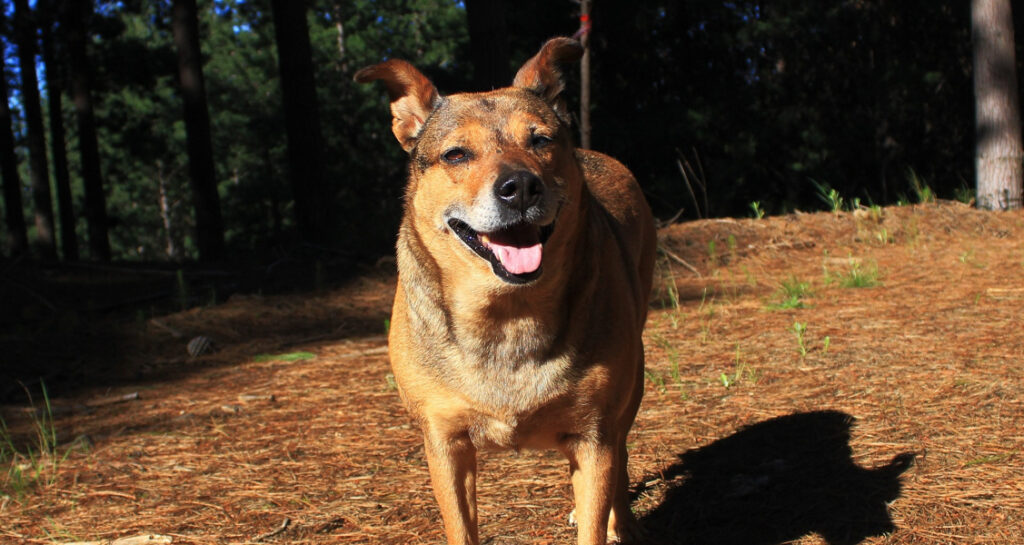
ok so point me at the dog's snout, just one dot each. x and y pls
(520, 189)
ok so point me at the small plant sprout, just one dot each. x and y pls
(668, 281)
(883, 236)
(712, 253)
(756, 208)
(859, 275)
(708, 315)
(829, 196)
(741, 372)
(790, 294)
(657, 379)
(825, 343)
(799, 330)
(33, 466)
(920, 187)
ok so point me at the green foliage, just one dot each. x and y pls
(755, 207)
(28, 467)
(920, 187)
(829, 196)
(142, 136)
(742, 372)
(777, 97)
(289, 357)
(857, 275)
(790, 294)
(799, 330)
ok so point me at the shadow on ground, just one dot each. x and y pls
(774, 482)
(75, 326)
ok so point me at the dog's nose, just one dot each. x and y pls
(520, 189)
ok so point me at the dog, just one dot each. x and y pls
(524, 274)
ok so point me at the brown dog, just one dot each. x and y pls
(524, 271)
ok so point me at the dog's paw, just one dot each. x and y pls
(626, 531)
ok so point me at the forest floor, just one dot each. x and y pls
(816, 378)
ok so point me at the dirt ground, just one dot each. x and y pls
(879, 400)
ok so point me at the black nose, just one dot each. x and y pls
(519, 190)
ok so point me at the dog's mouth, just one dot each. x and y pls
(515, 252)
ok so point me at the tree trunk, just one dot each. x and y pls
(62, 181)
(206, 201)
(42, 199)
(171, 247)
(302, 121)
(88, 146)
(999, 156)
(585, 75)
(488, 40)
(17, 235)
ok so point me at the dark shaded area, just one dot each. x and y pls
(488, 39)
(774, 482)
(85, 325)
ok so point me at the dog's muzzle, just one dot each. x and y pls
(514, 252)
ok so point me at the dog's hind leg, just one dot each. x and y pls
(622, 525)
(452, 463)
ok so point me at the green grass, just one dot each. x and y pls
(706, 315)
(742, 372)
(28, 467)
(790, 294)
(921, 189)
(799, 330)
(829, 196)
(858, 275)
(292, 356)
(755, 207)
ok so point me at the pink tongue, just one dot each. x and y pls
(518, 260)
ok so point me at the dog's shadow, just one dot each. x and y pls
(774, 482)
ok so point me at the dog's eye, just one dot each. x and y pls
(539, 141)
(455, 155)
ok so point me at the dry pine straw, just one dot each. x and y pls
(797, 448)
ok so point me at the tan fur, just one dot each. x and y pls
(555, 363)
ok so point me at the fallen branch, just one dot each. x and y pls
(668, 253)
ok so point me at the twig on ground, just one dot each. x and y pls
(680, 261)
(278, 531)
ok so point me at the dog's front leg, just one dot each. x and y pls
(452, 463)
(593, 467)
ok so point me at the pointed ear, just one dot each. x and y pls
(542, 74)
(412, 96)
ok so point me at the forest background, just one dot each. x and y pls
(720, 108)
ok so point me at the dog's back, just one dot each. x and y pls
(616, 191)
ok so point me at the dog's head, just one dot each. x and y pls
(489, 171)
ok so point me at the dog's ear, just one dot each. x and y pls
(412, 96)
(542, 74)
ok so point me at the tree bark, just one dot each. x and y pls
(88, 146)
(61, 178)
(302, 121)
(206, 201)
(585, 75)
(42, 198)
(999, 155)
(16, 240)
(171, 247)
(488, 40)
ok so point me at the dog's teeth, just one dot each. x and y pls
(485, 240)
